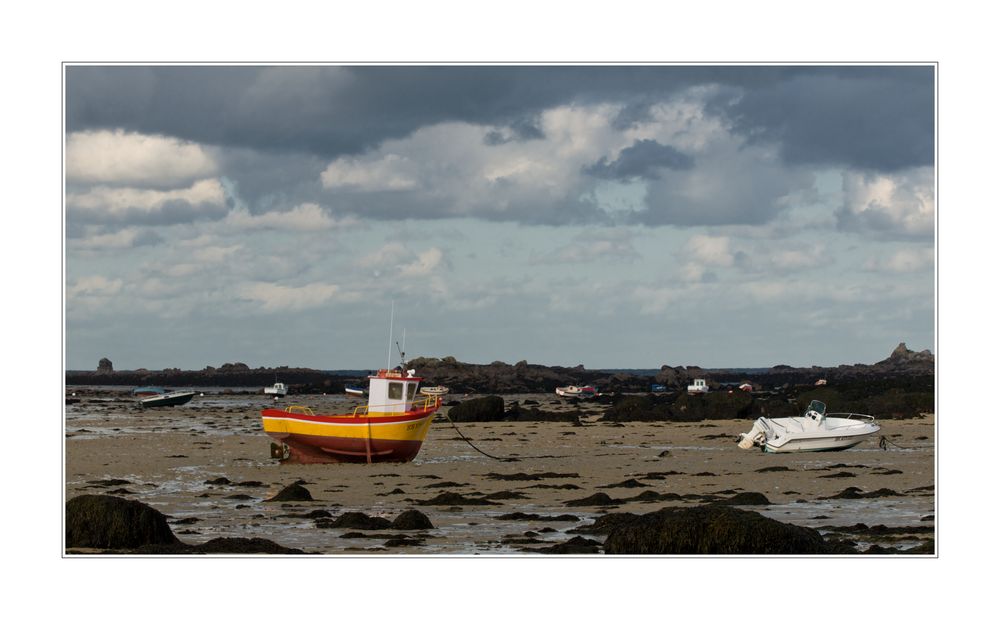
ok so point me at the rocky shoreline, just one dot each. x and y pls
(902, 385)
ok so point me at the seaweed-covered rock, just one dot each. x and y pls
(647, 408)
(751, 498)
(108, 522)
(360, 521)
(412, 520)
(294, 492)
(713, 530)
(524, 414)
(575, 546)
(243, 546)
(597, 499)
(485, 409)
(455, 499)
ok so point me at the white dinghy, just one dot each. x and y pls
(816, 431)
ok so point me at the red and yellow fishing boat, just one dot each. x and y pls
(389, 429)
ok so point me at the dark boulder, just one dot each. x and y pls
(242, 546)
(104, 366)
(597, 499)
(647, 408)
(294, 492)
(574, 546)
(412, 520)
(485, 409)
(745, 499)
(360, 521)
(713, 530)
(108, 522)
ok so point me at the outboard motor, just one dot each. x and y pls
(756, 437)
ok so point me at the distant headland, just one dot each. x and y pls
(503, 378)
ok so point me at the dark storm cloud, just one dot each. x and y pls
(866, 116)
(644, 159)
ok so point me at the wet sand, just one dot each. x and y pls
(173, 459)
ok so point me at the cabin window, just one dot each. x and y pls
(395, 391)
(411, 391)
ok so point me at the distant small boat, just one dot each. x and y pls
(820, 382)
(657, 387)
(698, 387)
(434, 390)
(815, 431)
(278, 389)
(575, 391)
(746, 387)
(167, 399)
(147, 390)
(355, 390)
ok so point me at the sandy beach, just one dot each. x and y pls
(207, 466)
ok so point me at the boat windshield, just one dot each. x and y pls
(818, 407)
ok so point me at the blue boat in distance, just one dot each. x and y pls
(657, 387)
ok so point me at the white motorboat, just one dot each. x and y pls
(698, 387)
(816, 431)
(278, 389)
(434, 390)
(575, 391)
(167, 399)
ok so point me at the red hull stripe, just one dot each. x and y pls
(345, 419)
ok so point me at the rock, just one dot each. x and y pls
(597, 499)
(605, 524)
(241, 546)
(294, 492)
(412, 520)
(107, 522)
(104, 366)
(647, 408)
(576, 545)
(713, 530)
(744, 499)
(455, 499)
(485, 409)
(360, 521)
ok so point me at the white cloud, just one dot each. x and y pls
(425, 263)
(278, 298)
(105, 201)
(709, 250)
(388, 172)
(306, 217)
(907, 260)
(120, 158)
(591, 246)
(896, 204)
(93, 286)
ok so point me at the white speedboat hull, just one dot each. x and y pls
(813, 432)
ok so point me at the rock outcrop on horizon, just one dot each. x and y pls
(902, 365)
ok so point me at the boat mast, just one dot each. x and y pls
(388, 353)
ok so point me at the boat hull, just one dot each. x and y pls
(819, 444)
(167, 400)
(348, 438)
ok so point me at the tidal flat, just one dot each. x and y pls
(207, 466)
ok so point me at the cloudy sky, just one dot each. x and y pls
(611, 216)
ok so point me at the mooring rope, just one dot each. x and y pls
(882, 441)
(507, 459)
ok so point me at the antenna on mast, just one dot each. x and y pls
(388, 354)
(402, 351)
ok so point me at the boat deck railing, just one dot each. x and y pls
(860, 417)
(423, 405)
(418, 406)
